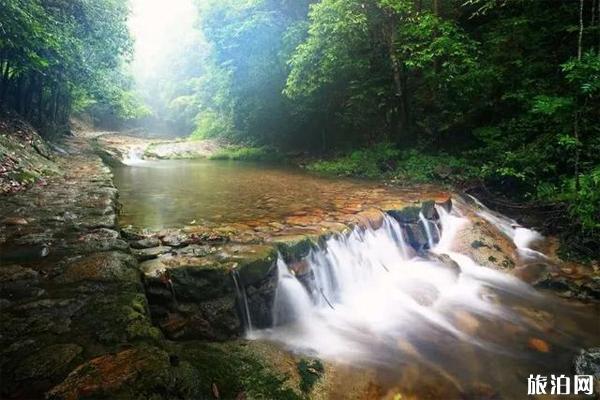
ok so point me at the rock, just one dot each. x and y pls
(175, 240)
(406, 215)
(144, 371)
(153, 252)
(145, 243)
(130, 234)
(113, 267)
(293, 247)
(215, 320)
(428, 210)
(587, 362)
(446, 205)
(415, 236)
(11, 273)
(446, 262)
(48, 362)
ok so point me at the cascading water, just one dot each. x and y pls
(369, 299)
(134, 157)
(521, 236)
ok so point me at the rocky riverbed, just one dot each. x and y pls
(94, 310)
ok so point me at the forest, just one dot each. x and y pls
(496, 94)
(299, 199)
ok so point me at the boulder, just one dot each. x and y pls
(145, 243)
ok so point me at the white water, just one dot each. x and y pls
(522, 237)
(371, 291)
(134, 157)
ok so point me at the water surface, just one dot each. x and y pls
(172, 193)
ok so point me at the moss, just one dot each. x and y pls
(295, 247)
(310, 372)
(234, 369)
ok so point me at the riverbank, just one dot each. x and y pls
(75, 318)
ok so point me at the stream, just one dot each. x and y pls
(432, 323)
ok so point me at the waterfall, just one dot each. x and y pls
(522, 237)
(370, 288)
(242, 300)
(425, 222)
(134, 157)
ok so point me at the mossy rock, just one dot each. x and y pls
(234, 368)
(295, 247)
(119, 318)
(406, 215)
(137, 373)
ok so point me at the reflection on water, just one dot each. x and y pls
(171, 193)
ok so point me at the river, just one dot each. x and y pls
(433, 323)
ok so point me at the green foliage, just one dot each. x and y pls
(56, 55)
(243, 153)
(210, 124)
(385, 161)
(377, 161)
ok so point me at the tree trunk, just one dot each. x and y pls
(399, 78)
(436, 8)
(576, 121)
(5, 81)
(40, 111)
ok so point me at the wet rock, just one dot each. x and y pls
(40, 316)
(583, 289)
(216, 319)
(415, 236)
(428, 210)
(144, 371)
(102, 239)
(200, 283)
(130, 234)
(12, 273)
(293, 247)
(24, 253)
(587, 362)
(406, 215)
(446, 205)
(175, 240)
(145, 243)
(254, 262)
(153, 252)
(446, 262)
(486, 245)
(48, 362)
(118, 318)
(113, 267)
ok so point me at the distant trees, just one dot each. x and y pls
(59, 56)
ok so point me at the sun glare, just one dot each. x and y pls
(158, 25)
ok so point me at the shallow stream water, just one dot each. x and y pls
(171, 193)
(427, 330)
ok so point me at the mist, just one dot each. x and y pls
(167, 49)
